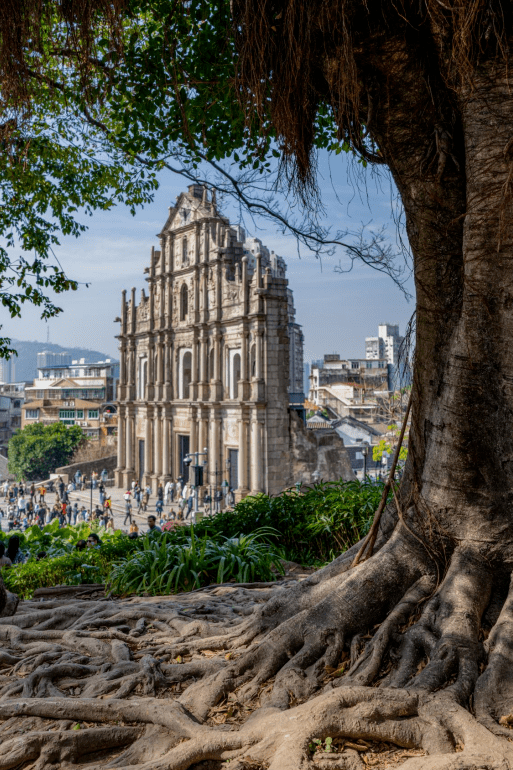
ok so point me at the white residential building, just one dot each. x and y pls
(385, 345)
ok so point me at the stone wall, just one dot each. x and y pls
(319, 450)
(89, 466)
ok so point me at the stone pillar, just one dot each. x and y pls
(202, 434)
(166, 446)
(215, 460)
(157, 449)
(196, 286)
(129, 470)
(256, 455)
(193, 389)
(168, 369)
(244, 367)
(174, 374)
(216, 393)
(194, 431)
(160, 372)
(148, 465)
(243, 457)
(258, 363)
(203, 363)
(118, 473)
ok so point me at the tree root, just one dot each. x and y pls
(379, 653)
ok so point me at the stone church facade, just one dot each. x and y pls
(204, 358)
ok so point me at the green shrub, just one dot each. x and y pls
(176, 562)
(313, 524)
(70, 569)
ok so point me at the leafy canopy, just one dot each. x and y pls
(37, 450)
(97, 99)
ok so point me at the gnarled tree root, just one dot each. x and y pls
(387, 653)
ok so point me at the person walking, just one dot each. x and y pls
(190, 502)
(128, 511)
(101, 489)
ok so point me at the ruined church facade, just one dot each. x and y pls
(204, 358)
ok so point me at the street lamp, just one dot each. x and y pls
(365, 452)
(198, 477)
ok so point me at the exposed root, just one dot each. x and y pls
(378, 654)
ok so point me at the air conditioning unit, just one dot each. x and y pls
(84, 424)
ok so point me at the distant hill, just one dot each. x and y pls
(26, 361)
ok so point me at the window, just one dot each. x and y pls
(369, 365)
(354, 365)
(253, 361)
(92, 414)
(183, 302)
(31, 414)
(184, 250)
(80, 414)
(211, 364)
(186, 374)
(235, 375)
(66, 414)
(381, 364)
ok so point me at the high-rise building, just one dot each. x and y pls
(386, 345)
(47, 358)
(7, 370)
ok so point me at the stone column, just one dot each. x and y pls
(166, 445)
(203, 386)
(157, 448)
(168, 369)
(148, 466)
(256, 455)
(202, 433)
(118, 473)
(243, 457)
(216, 393)
(244, 367)
(128, 472)
(174, 374)
(193, 390)
(160, 371)
(215, 461)
(258, 362)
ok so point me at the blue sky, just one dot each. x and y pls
(336, 311)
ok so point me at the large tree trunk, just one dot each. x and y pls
(413, 647)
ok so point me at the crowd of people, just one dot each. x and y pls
(179, 496)
(26, 504)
